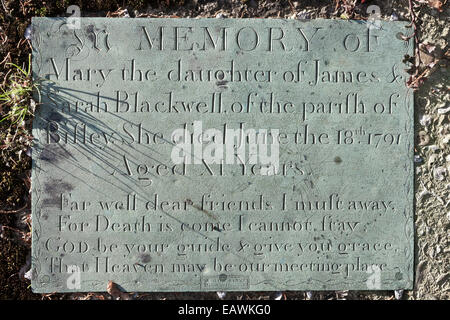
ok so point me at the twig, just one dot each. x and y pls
(4, 38)
(6, 77)
(8, 56)
(292, 6)
(24, 234)
(4, 7)
(415, 35)
(13, 211)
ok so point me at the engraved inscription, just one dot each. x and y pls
(222, 155)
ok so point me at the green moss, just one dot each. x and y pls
(42, 12)
(63, 4)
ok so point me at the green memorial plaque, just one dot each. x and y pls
(222, 155)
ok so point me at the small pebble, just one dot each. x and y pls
(394, 16)
(278, 295)
(425, 120)
(398, 294)
(422, 194)
(424, 138)
(27, 34)
(303, 15)
(433, 148)
(421, 232)
(418, 159)
(432, 160)
(439, 173)
(221, 294)
(28, 275)
(443, 110)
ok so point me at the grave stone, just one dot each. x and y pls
(221, 155)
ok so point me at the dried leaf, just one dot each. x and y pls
(437, 4)
(430, 48)
(113, 290)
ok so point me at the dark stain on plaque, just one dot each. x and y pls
(53, 153)
(55, 188)
(145, 258)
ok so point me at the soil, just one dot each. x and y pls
(432, 127)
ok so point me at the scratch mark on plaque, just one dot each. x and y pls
(209, 214)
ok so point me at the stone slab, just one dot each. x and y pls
(132, 181)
